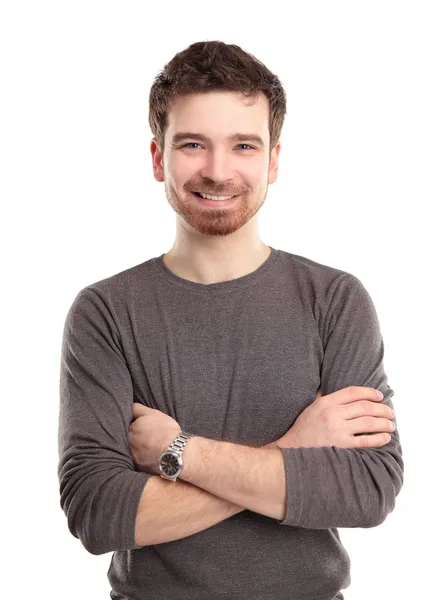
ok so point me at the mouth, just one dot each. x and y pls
(215, 197)
(216, 201)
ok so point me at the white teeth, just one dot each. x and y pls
(210, 197)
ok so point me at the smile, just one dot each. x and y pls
(212, 197)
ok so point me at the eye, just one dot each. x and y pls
(197, 144)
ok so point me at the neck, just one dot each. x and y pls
(213, 259)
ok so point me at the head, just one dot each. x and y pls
(214, 91)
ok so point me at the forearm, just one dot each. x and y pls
(171, 511)
(250, 477)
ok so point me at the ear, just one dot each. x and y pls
(157, 161)
(273, 166)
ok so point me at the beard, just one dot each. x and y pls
(213, 221)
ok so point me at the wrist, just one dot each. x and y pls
(172, 455)
(188, 456)
(169, 441)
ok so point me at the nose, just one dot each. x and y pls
(217, 166)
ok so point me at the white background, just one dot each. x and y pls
(362, 187)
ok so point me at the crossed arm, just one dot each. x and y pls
(326, 487)
(219, 480)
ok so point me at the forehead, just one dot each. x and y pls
(218, 114)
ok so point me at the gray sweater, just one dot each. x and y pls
(236, 361)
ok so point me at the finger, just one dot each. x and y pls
(139, 410)
(354, 393)
(364, 408)
(370, 441)
(369, 424)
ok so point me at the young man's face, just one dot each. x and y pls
(216, 164)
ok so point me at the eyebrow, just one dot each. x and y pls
(236, 137)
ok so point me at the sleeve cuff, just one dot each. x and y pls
(294, 496)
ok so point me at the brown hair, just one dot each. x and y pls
(209, 66)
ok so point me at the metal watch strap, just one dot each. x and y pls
(178, 445)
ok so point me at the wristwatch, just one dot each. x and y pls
(170, 463)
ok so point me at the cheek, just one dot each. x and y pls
(255, 175)
(181, 172)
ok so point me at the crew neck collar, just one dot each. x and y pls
(221, 286)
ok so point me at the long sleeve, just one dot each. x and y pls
(99, 486)
(330, 487)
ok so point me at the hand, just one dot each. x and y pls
(333, 420)
(150, 434)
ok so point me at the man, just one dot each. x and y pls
(269, 360)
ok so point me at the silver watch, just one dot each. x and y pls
(170, 463)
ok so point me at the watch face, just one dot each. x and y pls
(170, 464)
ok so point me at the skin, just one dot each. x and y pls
(222, 243)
